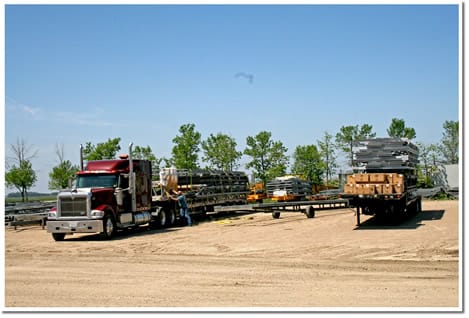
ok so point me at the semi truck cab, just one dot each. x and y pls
(106, 195)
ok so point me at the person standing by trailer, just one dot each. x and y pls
(184, 211)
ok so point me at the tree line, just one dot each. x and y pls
(268, 159)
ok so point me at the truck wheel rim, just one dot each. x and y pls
(109, 226)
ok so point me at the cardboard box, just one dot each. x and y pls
(366, 189)
(361, 178)
(388, 188)
(398, 188)
(398, 178)
(379, 188)
(377, 177)
(359, 189)
(390, 177)
(349, 188)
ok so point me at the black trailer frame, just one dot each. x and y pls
(307, 207)
(408, 202)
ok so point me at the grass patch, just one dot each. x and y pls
(41, 198)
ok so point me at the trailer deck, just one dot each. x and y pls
(307, 207)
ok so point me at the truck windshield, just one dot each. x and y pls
(96, 181)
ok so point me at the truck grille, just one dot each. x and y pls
(73, 206)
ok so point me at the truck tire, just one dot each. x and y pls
(58, 236)
(276, 215)
(387, 213)
(162, 218)
(310, 212)
(171, 218)
(109, 227)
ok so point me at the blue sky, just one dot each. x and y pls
(88, 73)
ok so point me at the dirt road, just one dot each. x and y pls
(247, 260)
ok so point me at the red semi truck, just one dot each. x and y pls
(117, 194)
(108, 194)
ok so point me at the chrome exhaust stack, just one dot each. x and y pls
(81, 157)
(132, 180)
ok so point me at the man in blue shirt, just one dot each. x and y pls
(184, 211)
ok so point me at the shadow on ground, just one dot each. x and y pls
(410, 223)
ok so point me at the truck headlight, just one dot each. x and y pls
(97, 213)
(52, 215)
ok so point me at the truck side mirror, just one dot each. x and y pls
(71, 183)
(119, 196)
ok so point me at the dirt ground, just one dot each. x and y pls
(245, 260)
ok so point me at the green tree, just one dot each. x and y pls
(101, 151)
(397, 129)
(63, 172)
(449, 146)
(22, 177)
(428, 155)
(21, 174)
(220, 152)
(308, 164)
(186, 147)
(268, 157)
(328, 156)
(348, 135)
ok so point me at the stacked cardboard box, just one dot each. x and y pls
(383, 166)
(375, 183)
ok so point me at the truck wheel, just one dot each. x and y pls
(172, 218)
(58, 236)
(310, 212)
(162, 218)
(108, 227)
(275, 215)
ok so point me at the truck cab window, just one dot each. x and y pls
(123, 181)
(96, 181)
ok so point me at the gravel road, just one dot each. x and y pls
(245, 261)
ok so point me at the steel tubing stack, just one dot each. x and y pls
(291, 186)
(387, 155)
(204, 182)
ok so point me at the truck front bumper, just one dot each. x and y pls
(78, 226)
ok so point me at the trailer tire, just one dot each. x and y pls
(310, 212)
(276, 215)
(419, 205)
(109, 227)
(58, 236)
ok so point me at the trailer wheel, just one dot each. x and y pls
(310, 212)
(419, 205)
(58, 236)
(108, 227)
(275, 215)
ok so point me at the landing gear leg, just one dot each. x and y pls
(358, 216)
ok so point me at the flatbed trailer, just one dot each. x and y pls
(384, 182)
(276, 208)
(387, 207)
